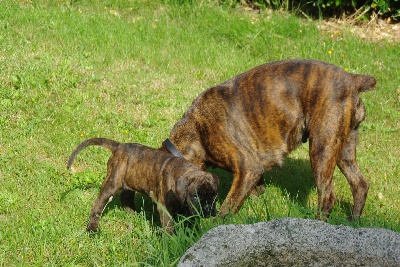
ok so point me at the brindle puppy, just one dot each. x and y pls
(249, 123)
(176, 185)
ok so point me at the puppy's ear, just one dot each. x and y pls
(216, 180)
(181, 188)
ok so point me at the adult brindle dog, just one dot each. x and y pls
(249, 123)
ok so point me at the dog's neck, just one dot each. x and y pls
(171, 148)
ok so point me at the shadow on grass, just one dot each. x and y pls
(142, 203)
(345, 206)
(295, 179)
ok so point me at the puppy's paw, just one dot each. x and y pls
(92, 228)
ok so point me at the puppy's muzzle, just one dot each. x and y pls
(204, 206)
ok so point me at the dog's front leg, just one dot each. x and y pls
(243, 183)
(349, 167)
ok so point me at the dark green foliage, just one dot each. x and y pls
(334, 8)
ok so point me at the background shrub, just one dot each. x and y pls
(386, 9)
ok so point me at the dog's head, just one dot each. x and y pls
(198, 191)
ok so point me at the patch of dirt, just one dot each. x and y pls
(374, 30)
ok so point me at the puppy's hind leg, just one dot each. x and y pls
(109, 188)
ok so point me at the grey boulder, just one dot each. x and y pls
(294, 242)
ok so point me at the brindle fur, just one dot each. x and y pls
(173, 183)
(249, 123)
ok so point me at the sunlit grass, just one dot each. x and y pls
(127, 70)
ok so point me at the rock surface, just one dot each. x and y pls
(294, 242)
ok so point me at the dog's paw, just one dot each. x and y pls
(92, 228)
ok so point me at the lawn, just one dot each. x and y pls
(127, 70)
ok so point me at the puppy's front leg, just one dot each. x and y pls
(166, 220)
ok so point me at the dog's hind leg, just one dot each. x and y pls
(349, 167)
(109, 188)
(258, 189)
(323, 156)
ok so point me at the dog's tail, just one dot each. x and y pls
(104, 142)
(364, 82)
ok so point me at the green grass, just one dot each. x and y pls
(127, 70)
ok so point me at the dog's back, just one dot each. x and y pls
(136, 160)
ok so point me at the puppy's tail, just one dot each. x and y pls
(104, 142)
(364, 82)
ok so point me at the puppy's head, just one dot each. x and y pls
(198, 191)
